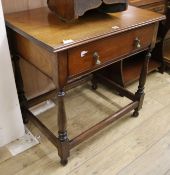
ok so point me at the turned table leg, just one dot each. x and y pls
(94, 82)
(139, 95)
(63, 148)
(20, 88)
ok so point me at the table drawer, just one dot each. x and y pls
(91, 56)
(154, 5)
(157, 7)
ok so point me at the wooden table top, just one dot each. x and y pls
(41, 26)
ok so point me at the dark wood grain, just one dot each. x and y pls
(39, 35)
(43, 28)
(69, 10)
(117, 46)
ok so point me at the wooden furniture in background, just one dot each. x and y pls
(154, 5)
(166, 37)
(38, 37)
(162, 49)
(70, 10)
(128, 70)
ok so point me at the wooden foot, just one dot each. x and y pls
(119, 93)
(135, 113)
(94, 87)
(162, 68)
(94, 83)
(64, 162)
(63, 149)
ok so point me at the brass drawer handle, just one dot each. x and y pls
(97, 58)
(137, 43)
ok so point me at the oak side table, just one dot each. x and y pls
(72, 54)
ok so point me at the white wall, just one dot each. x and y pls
(11, 125)
(19, 5)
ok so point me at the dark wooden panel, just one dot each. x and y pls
(34, 54)
(40, 83)
(69, 10)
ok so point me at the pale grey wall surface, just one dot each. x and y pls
(20, 5)
(11, 125)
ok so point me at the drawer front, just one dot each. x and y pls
(157, 7)
(94, 55)
(154, 5)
